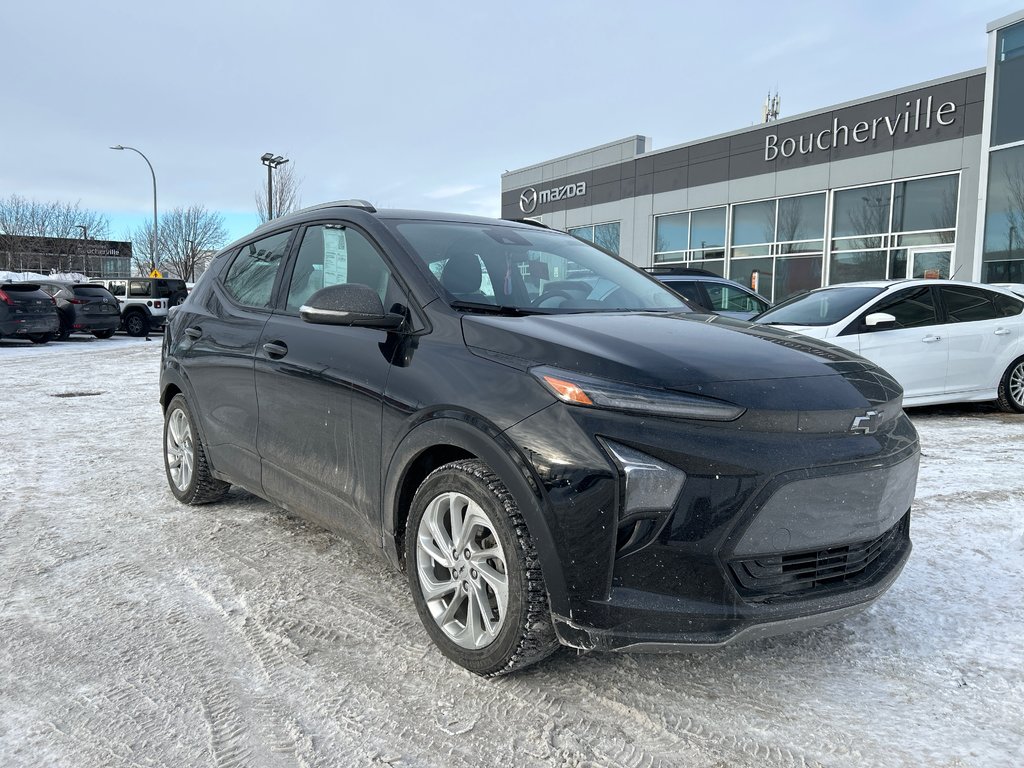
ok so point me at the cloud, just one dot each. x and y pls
(451, 191)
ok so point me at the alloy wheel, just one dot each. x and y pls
(461, 570)
(1015, 384)
(180, 449)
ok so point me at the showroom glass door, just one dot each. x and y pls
(929, 262)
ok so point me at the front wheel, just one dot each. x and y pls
(474, 572)
(188, 471)
(1011, 388)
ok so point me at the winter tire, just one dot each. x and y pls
(136, 324)
(1011, 388)
(105, 334)
(188, 471)
(474, 572)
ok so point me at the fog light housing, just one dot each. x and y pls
(652, 486)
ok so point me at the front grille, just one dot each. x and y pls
(797, 573)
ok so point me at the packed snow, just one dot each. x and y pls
(137, 631)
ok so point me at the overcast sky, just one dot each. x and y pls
(419, 104)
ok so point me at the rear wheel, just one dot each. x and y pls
(474, 572)
(105, 334)
(136, 324)
(40, 338)
(188, 471)
(1011, 388)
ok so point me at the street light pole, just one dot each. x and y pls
(85, 236)
(272, 162)
(153, 173)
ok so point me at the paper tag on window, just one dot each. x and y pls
(335, 257)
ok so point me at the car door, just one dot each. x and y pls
(222, 335)
(320, 388)
(981, 339)
(915, 350)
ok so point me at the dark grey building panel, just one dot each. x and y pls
(879, 125)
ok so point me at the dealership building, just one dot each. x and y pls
(924, 181)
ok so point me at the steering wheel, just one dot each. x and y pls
(539, 301)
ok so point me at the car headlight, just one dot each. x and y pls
(592, 392)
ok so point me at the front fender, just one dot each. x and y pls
(483, 440)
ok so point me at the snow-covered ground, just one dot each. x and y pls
(136, 631)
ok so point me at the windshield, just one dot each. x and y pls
(525, 270)
(820, 307)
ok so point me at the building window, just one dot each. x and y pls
(883, 231)
(1002, 251)
(777, 245)
(696, 238)
(604, 235)
(1007, 105)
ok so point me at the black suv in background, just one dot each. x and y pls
(598, 467)
(145, 301)
(28, 312)
(83, 308)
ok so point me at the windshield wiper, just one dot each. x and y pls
(496, 309)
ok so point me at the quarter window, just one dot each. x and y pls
(250, 278)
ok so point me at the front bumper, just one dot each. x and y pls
(774, 531)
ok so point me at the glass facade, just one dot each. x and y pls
(1002, 250)
(779, 247)
(1007, 105)
(604, 235)
(1002, 258)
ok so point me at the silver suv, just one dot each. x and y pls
(145, 301)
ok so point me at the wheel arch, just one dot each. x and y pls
(451, 438)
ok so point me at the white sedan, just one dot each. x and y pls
(944, 341)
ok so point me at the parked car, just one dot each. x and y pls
(83, 308)
(145, 301)
(943, 341)
(609, 471)
(711, 292)
(26, 311)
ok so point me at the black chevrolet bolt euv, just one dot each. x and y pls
(554, 447)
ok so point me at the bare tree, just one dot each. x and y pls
(186, 236)
(285, 193)
(64, 223)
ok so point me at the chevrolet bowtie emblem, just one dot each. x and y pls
(868, 423)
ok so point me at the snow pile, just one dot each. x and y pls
(27, 277)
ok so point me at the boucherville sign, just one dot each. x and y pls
(916, 115)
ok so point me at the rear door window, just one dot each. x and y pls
(966, 304)
(139, 288)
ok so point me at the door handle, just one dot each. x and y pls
(194, 332)
(275, 349)
(1002, 331)
(931, 339)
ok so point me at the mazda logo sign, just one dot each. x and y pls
(528, 200)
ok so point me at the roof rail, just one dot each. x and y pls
(531, 222)
(353, 203)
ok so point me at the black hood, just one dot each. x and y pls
(698, 353)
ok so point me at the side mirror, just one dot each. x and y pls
(879, 321)
(350, 304)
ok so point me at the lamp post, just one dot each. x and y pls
(85, 236)
(153, 173)
(272, 162)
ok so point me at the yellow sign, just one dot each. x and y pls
(155, 273)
